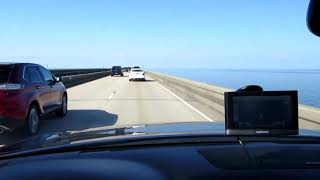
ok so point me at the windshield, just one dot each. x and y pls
(191, 53)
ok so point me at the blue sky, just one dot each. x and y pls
(158, 33)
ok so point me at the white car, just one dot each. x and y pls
(136, 74)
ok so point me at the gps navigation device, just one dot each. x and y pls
(261, 113)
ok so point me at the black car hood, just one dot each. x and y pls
(65, 138)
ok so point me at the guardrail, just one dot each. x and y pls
(213, 97)
(73, 77)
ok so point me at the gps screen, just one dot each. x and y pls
(263, 112)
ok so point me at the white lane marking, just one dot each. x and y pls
(187, 104)
(111, 95)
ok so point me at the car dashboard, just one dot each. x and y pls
(212, 157)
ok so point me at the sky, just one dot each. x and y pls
(236, 34)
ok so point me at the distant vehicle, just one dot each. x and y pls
(136, 74)
(136, 67)
(126, 69)
(116, 70)
(28, 91)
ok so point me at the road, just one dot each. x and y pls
(116, 102)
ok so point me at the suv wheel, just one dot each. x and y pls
(32, 121)
(64, 106)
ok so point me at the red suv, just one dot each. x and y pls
(27, 92)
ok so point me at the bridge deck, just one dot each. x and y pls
(116, 102)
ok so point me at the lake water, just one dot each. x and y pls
(307, 82)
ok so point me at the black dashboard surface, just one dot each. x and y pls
(246, 159)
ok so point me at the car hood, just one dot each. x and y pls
(64, 138)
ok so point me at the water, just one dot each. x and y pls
(307, 82)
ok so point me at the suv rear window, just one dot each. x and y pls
(116, 67)
(5, 72)
(136, 70)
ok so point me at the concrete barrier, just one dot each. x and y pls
(213, 97)
(69, 72)
(73, 80)
(73, 77)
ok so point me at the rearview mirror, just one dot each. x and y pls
(313, 17)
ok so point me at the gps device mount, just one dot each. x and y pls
(250, 88)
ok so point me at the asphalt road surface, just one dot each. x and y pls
(116, 102)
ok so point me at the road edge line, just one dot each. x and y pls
(187, 104)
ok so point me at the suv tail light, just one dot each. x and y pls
(10, 86)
